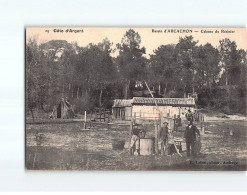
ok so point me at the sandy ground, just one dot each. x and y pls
(67, 146)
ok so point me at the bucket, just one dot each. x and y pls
(146, 146)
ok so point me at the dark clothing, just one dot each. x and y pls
(190, 138)
(189, 116)
(178, 123)
(164, 139)
(190, 133)
(190, 144)
(136, 131)
(164, 133)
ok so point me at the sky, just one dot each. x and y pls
(151, 38)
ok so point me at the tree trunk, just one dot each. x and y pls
(207, 80)
(226, 78)
(159, 88)
(165, 89)
(72, 95)
(100, 97)
(77, 93)
(32, 113)
(86, 92)
(126, 90)
(193, 82)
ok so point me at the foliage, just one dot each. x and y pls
(90, 77)
(130, 61)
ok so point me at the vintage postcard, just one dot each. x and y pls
(141, 99)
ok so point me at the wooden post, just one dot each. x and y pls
(108, 120)
(174, 124)
(159, 125)
(72, 93)
(156, 137)
(113, 113)
(134, 117)
(100, 114)
(120, 113)
(140, 114)
(104, 115)
(77, 93)
(202, 124)
(130, 130)
(85, 120)
(90, 114)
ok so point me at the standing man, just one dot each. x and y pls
(164, 137)
(178, 122)
(190, 137)
(189, 115)
(135, 140)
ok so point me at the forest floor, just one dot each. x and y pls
(66, 145)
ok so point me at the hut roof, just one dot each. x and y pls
(122, 103)
(153, 101)
(164, 101)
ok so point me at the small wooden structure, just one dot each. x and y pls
(146, 107)
(122, 109)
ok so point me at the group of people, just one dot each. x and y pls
(165, 136)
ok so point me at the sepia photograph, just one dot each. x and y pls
(135, 99)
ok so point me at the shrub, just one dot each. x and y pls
(82, 104)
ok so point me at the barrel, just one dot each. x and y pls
(146, 146)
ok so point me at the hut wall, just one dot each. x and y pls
(128, 113)
(151, 112)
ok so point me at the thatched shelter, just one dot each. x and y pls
(63, 109)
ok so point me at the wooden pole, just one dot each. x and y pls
(90, 118)
(156, 137)
(130, 130)
(113, 113)
(203, 126)
(104, 115)
(159, 125)
(85, 119)
(108, 120)
(174, 122)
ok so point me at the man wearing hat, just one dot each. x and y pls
(190, 137)
(164, 137)
(189, 115)
(135, 140)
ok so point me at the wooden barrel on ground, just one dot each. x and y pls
(146, 146)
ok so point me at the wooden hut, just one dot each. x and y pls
(143, 107)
